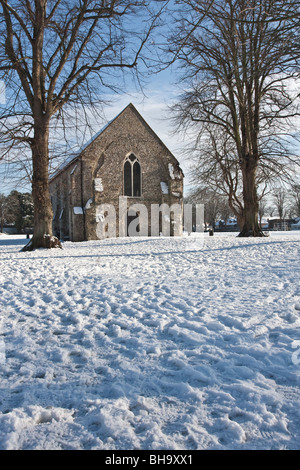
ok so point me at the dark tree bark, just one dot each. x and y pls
(250, 226)
(43, 214)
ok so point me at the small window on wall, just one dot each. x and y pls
(132, 177)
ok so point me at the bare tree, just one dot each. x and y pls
(3, 208)
(295, 199)
(280, 201)
(239, 59)
(8, 208)
(59, 54)
(215, 205)
(262, 209)
(215, 168)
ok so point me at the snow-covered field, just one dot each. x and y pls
(153, 343)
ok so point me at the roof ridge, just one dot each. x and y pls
(73, 157)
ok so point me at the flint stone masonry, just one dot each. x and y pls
(95, 176)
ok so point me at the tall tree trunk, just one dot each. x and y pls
(251, 227)
(43, 214)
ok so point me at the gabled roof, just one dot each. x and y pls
(74, 156)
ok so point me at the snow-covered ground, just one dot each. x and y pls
(153, 343)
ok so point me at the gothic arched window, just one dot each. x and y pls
(132, 177)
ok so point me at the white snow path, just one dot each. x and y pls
(151, 344)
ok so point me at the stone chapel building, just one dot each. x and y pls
(124, 166)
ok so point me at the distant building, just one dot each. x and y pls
(125, 160)
(280, 224)
(229, 225)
